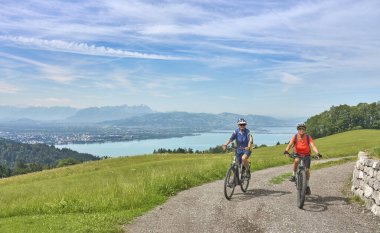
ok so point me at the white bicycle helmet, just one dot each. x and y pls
(301, 125)
(241, 121)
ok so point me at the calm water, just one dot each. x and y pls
(269, 136)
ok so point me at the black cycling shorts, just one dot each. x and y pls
(307, 161)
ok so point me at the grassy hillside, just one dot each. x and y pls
(99, 196)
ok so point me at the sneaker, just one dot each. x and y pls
(308, 191)
(242, 172)
(248, 174)
(292, 178)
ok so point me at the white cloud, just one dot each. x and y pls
(82, 48)
(52, 101)
(290, 79)
(7, 88)
(50, 72)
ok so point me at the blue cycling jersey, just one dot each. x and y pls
(242, 138)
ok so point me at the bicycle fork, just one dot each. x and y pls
(300, 168)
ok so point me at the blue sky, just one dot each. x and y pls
(279, 58)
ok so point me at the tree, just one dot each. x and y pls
(67, 162)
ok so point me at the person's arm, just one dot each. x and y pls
(226, 144)
(314, 148)
(229, 141)
(250, 143)
(291, 143)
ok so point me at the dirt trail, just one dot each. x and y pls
(264, 208)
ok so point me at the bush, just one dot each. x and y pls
(67, 162)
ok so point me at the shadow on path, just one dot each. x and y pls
(316, 203)
(253, 193)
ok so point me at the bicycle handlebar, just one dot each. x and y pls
(293, 155)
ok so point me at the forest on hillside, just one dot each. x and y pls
(343, 118)
(20, 158)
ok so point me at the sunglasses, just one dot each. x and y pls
(242, 124)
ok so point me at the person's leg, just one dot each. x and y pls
(245, 158)
(245, 161)
(295, 165)
(246, 164)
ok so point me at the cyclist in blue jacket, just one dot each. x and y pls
(243, 142)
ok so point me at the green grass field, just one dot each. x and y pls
(100, 196)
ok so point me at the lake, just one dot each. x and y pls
(268, 136)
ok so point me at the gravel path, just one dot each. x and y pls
(264, 208)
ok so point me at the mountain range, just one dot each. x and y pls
(69, 114)
(203, 121)
(140, 116)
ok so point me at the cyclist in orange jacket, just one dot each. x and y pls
(301, 143)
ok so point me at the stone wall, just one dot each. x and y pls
(366, 182)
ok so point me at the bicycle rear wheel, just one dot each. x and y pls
(301, 188)
(230, 183)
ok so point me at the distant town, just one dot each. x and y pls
(63, 134)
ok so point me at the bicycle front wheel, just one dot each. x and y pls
(244, 182)
(301, 188)
(229, 183)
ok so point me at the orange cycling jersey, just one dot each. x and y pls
(301, 147)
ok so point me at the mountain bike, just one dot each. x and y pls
(301, 178)
(235, 176)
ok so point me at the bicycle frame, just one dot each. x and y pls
(237, 167)
(300, 180)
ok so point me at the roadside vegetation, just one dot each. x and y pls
(100, 196)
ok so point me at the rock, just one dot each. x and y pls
(368, 191)
(370, 163)
(376, 197)
(378, 176)
(370, 172)
(357, 164)
(361, 167)
(353, 189)
(365, 169)
(356, 183)
(371, 182)
(360, 193)
(355, 174)
(369, 203)
(357, 192)
(376, 210)
(376, 166)
(361, 184)
(376, 185)
(361, 175)
(362, 155)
